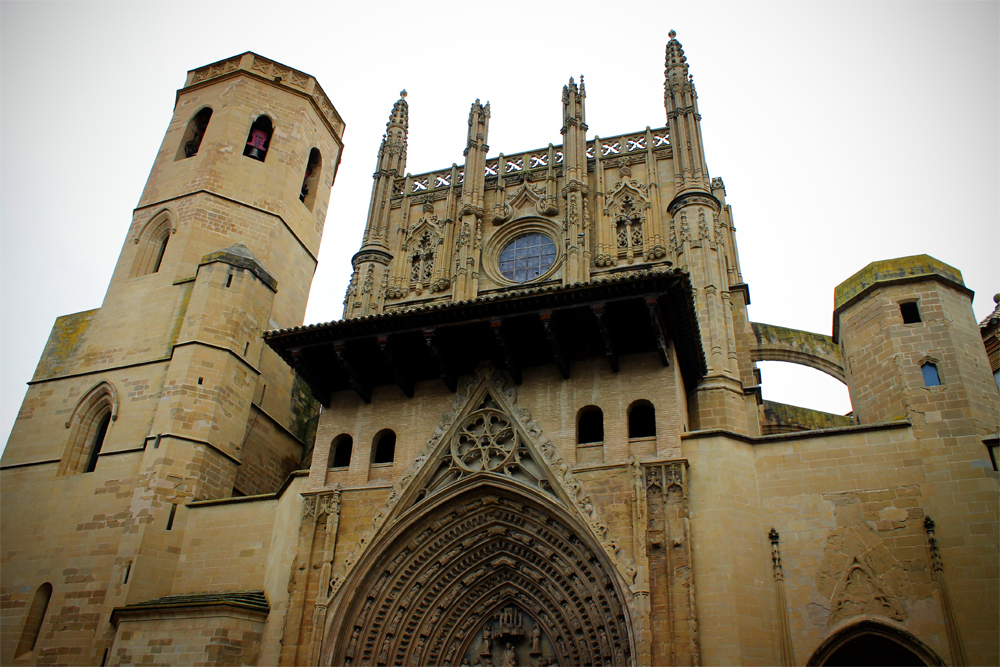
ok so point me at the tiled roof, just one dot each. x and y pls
(499, 296)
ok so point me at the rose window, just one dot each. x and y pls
(527, 257)
(486, 441)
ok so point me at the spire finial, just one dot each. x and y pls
(675, 55)
(400, 113)
(672, 33)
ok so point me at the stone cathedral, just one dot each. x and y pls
(536, 438)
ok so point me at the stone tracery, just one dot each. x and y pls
(484, 554)
(498, 527)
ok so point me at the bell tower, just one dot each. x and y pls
(166, 391)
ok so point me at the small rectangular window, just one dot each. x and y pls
(931, 377)
(910, 312)
(170, 519)
(229, 280)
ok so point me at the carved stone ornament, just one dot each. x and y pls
(527, 200)
(481, 578)
(486, 531)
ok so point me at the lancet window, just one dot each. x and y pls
(310, 180)
(89, 426)
(259, 138)
(33, 620)
(152, 242)
(193, 134)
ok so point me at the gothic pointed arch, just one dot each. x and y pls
(88, 425)
(487, 567)
(871, 642)
(151, 240)
(492, 503)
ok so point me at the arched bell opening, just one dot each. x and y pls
(873, 643)
(488, 557)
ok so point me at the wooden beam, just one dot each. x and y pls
(562, 363)
(447, 374)
(362, 389)
(659, 331)
(508, 354)
(405, 385)
(609, 346)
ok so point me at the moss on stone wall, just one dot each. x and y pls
(889, 270)
(781, 417)
(68, 333)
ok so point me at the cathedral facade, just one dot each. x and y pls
(536, 437)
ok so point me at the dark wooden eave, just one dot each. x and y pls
(613, 316)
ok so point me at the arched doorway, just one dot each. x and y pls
(873, 644)
(490, 571)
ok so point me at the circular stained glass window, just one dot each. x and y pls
(527, 257)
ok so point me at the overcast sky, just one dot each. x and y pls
(845, 132)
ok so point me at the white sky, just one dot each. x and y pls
(846, 132)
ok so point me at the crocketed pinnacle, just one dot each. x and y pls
(400, 113)
(478, 108)
(675, 57)
(570, 88)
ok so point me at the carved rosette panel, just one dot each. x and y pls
(473, 580)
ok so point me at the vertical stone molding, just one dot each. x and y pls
(317, 543)
(640, 546)
(671, 565)
(784, 630)
(937, 570)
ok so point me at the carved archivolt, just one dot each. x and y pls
(489, 571)
(487, 518)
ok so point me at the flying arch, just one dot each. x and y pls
(488, 548)
(774, 343)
